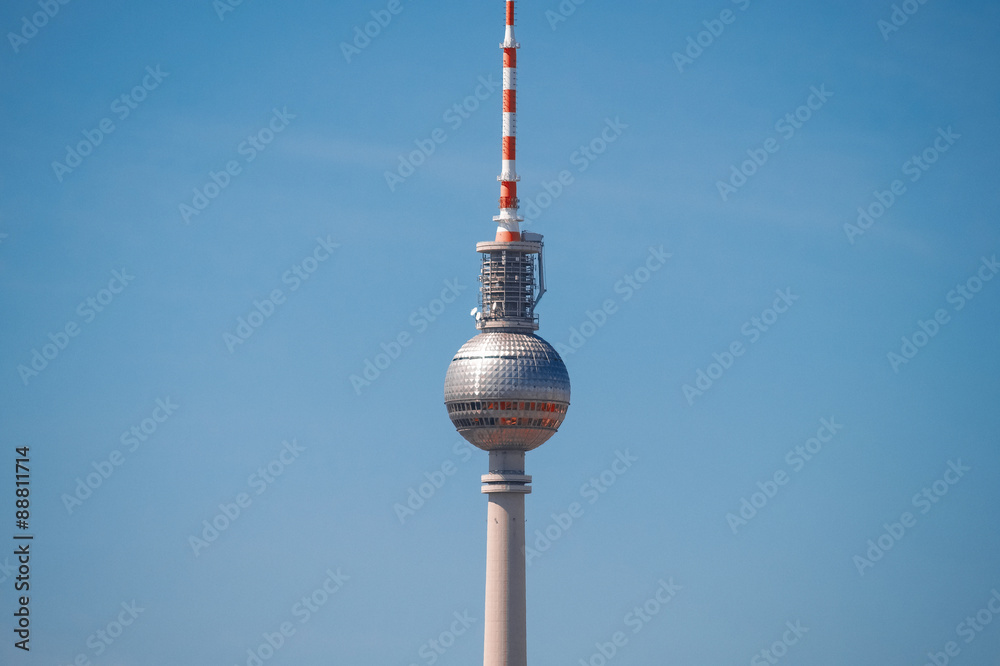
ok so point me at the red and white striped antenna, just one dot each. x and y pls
(507, 221)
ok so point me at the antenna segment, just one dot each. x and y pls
(508, 219)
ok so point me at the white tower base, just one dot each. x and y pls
(505, 618)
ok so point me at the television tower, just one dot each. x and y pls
(507, 390)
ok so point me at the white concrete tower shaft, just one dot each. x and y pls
(506, 616)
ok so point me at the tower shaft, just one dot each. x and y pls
(506, 617)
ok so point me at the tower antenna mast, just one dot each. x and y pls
(508, 220)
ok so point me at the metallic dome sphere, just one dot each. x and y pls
(506, 391)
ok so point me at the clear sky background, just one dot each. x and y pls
(355, 450)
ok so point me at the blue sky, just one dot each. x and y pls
(786, 324)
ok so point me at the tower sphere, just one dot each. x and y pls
(506, 391)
